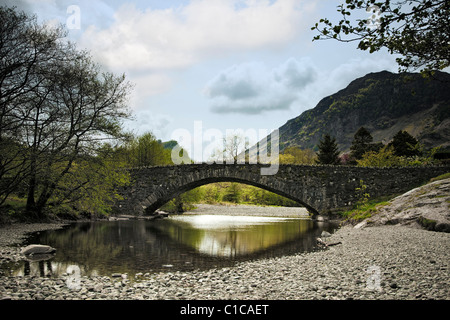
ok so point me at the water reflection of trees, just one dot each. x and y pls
(102, 248)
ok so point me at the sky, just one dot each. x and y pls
(213, 64)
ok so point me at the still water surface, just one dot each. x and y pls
(176, 243)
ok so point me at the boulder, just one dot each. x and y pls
(425, 207)
(34, 249)
(39, 257)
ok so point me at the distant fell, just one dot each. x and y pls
(384, 103)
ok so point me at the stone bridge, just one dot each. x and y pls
(321, 189)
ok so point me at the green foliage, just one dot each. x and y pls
(295, 155)
(405, 145)
(56, 109)
(146, 150)
(233, 193)
(441, 177)
(227, 192)
(364, 207)
(417, 31)
(364, 211)
(328, 151)
(93, 183)
(362, 143)
(362, 195)
(213, 193)
(386, 157)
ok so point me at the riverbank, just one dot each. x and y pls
(382, 262)
(249, 210)
(12, 235)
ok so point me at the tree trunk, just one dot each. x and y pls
(31, 203)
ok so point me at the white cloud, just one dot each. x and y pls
(178, 37)
(296, 85)
(253, 88)
(146, 85)
(341, 76)
(147, 121)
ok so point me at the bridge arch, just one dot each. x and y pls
(169, 194)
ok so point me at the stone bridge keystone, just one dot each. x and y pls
(321, 189)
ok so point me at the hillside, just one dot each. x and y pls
(383, 103)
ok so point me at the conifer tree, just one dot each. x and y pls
(328, 151)
(362, 141)
(404, 145)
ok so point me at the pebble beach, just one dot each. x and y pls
(380, 262)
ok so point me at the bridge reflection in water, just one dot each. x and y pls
(178, 243)
(234, 236)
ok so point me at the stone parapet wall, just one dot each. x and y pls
(321, 189)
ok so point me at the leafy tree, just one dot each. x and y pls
(90, 186)
(387, 157)
(84, 107)
(286, 158)
(295, 155)
(405, 144)
(56, 108)
(146, 150)
(28, 52)
(328, 151)
(234, 193)
(362, 143)
(383, 158)
(417, 30)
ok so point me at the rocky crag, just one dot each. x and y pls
(426, 207)
(382, 102)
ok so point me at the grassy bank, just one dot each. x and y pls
(366, 210)
(14, 210)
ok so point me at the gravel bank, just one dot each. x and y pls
(248, 210)
(383, 262)
(11, 236)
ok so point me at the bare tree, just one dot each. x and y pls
(233, 147)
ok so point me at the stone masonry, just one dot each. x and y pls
(321, 189)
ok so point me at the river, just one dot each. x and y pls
(178, 243)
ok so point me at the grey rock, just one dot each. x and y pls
(425, 207)
(34, 249)
(325, 234)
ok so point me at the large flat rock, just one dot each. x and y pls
(426, 207)
(37, 249)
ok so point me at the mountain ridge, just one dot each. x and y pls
(382, 102)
